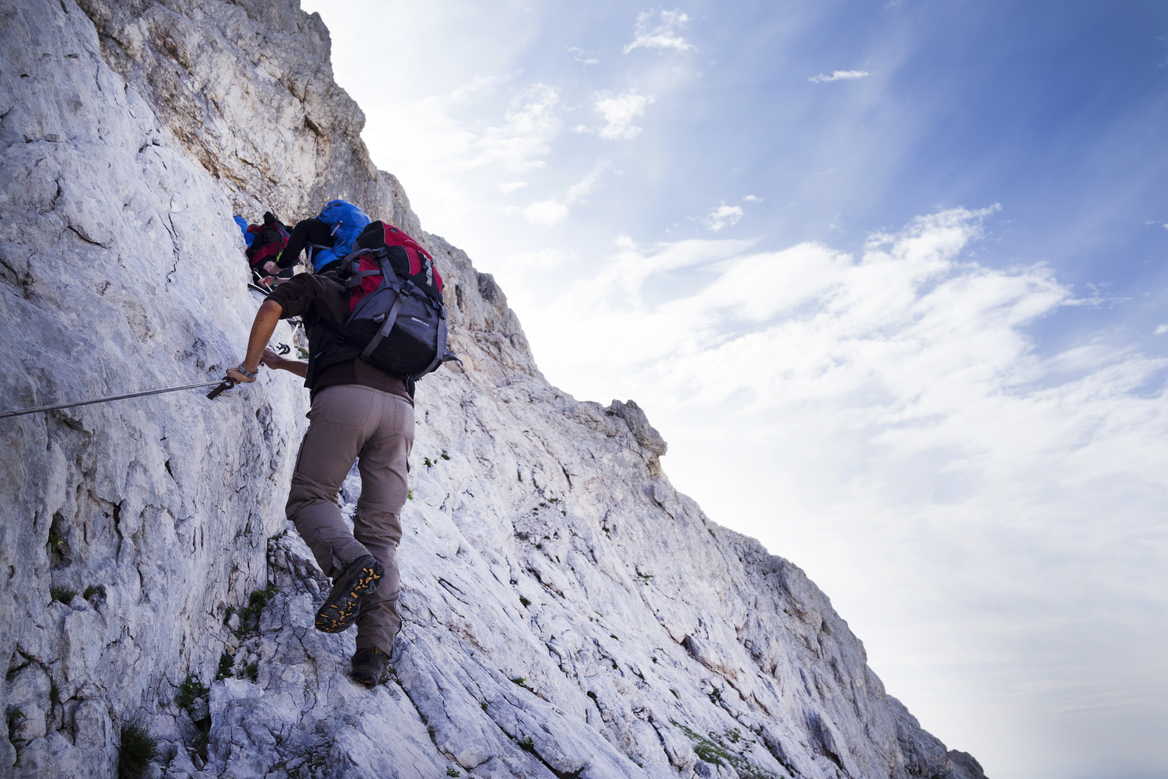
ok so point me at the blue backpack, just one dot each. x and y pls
(347, 221)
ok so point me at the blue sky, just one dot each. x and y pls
(889, 277)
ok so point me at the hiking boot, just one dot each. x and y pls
(369, 666)
(343, 603)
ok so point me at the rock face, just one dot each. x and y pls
(567, 612)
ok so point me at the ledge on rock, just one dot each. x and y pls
(645, 434)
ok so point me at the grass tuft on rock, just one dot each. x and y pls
(137, 750)
(249, 615)
(711, 749)
(190, 691)
(522, 682)
(62, 594)
(226, 666)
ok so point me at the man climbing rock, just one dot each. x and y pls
(359, 413)
(328, 237)
(264, 242)
(269, 239)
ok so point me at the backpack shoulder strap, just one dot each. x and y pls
(388, 279)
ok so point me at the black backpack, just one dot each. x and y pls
(396, 314)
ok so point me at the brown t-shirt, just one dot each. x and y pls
(321, 299)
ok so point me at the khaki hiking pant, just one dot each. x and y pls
(352, 422)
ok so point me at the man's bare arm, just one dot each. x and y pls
(261, 332)
(276, 362)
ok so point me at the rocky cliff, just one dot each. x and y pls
(567, 611)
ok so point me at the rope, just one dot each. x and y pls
(219, 386)
(39, 409)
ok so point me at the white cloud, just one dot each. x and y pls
(726, 215)
(552, 212)
(584, 187)
(723, 216)
(620, 114)
(478, 87)
(660, 30)
(545, 212)
(524, 137)
(839, 75)
(535, 260)
(583, 57)
(1162, 329)
(852, 296)
(507, 187)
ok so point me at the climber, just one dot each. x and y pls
(264, 243)
(328, 237)
(359, 412)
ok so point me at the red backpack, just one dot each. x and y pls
(396, 314)
(270, 239)
(413, 263)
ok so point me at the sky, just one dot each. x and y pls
(889, 277)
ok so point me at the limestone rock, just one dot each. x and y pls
(567, 612)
